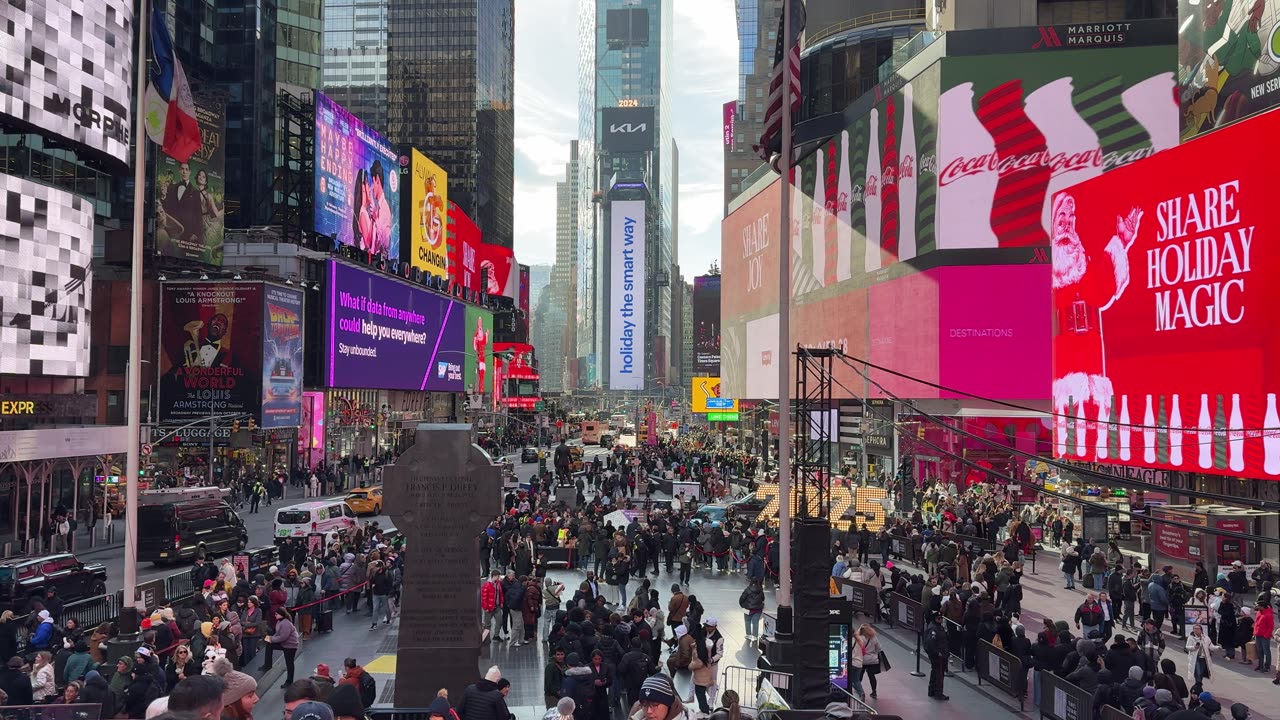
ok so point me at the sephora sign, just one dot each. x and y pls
(1165, 334)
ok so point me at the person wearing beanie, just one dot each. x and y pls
(563, 710)
(323, 680)
(685, 649)
(346, 703)
(1209, 705)
(313, 711)
(482, 700)
(240, 693)
(658, 701)
(1131, 688)
(1239, 711)
(1165, 703)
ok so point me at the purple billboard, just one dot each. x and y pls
(388, 335)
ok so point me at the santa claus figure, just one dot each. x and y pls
(1088, 276)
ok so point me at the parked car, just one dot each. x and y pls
(529, 455)
(24, 578)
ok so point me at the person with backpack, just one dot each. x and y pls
(359, 678)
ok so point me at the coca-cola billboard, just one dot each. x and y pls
(1014, 129)
(1228, 61)
(1165, 312)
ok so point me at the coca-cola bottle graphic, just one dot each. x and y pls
(1147, 102)
(1126, 429)
(1102, 106)
(1220, 434)
(1067, 135)
(1060, 439)
(802, 279)
(1149, 434)
(889, 186)
(1021, 155)
(1204, 434)
(872, 193)
(926, 181)
(1175, 434)
(858, 197)
(829, 218)
(966, 179)
(1271, 438)
(1235, 443)
(844, 199)
(817, 219)
(1102, 431)
(907, 170)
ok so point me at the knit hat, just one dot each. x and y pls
(658, 688)
(206, 629)
(1206, 696)
(494, 674)
(155, 617)
(1164, 696)
(1083, 646)
(681, 631)
(312, 710)
(166, 614)
(238, 684)
(322, 670)
(158, 707)
(566, 706)
(1149, 692)
(439, 706)
(1135, 673)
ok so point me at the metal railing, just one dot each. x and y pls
(746, 682)
(854, 702)
(862, 20)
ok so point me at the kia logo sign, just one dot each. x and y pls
(627, 130)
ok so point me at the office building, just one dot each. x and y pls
(451, 89)
(355, 58)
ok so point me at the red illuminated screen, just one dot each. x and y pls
(1164, 299)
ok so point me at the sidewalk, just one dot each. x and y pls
(1044, 596)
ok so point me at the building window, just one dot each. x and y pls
(117, 359)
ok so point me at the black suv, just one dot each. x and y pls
(24, 578)
(529, 455)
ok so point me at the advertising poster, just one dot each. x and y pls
(1015, 129)
(191, 196)
(46, 280)
(498, 264)
(706, 397)
(515, 382)
(706, 325)
(730, 115)
(311, 433)
(387, 334)
(1228, 61)
(1164, 311)
(523, 301)
(427, 219)
(281, 357)
(357, 182)
(478, 368)
(626, 295)
(210, 350)
(464, 249)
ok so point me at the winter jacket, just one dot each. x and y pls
(1157, 594)
(78, 665)
(482, 701)
(1264, 623)
(1130, 691)
(490, 596)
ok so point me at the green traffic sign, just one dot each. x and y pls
(722, 417)
(539, 406)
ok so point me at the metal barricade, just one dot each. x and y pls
(955, 640)
(92, 612)
(1062, 700)
(1111, 712)
(746, 682)
(854, 702)
(1002, 669)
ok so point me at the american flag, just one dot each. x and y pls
(771, 138)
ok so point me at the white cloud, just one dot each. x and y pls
(705, 76)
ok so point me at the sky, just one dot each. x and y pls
(704, 78)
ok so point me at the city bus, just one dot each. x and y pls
(591, 432)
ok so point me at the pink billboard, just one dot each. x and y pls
(994, 330)
(730, 111)
(311, 434)
(903, 334)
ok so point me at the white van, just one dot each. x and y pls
(324, 517)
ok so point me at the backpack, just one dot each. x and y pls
(368, 689)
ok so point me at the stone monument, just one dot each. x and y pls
(441, 493)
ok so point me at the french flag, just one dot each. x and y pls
(170, 111)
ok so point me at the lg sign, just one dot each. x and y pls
(627, 130)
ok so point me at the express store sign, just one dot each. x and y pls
(1165, 339)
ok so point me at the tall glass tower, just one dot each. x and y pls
(624, 61)
(451, 93)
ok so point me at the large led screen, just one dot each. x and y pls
(46, 283)
(281, 357)
(626, 295)
(387, 334)
(1228, 61)
(67, 70)
(210, 350)
(479, 363)
(1164, 309)
(191, 196)
(428, 214)
(706, 325)
(464, 249)
(357, 182)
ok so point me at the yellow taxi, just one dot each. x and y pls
(365, 500)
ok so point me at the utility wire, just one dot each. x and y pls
(1083, 503)
(1015, 406)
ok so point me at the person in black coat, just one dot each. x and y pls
(141, 692)
(482, 700)
(15, 683)
(636, 665)
(97, 691)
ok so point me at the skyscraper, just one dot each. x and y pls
(355, 58)
(451, 89)
(757, 38)
(625, 50)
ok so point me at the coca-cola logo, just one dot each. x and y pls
(1057, 163)
(873, 183)
(890, 175)
(906, 169)
(929, 164)
(856, 194)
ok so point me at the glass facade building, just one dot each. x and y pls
(355, 58)
(450, 94)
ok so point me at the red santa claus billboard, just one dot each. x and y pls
(1164, 339)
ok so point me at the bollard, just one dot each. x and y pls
(919, 637)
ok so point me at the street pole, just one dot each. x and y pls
(133, 387)
(210, 443)
(784, 337)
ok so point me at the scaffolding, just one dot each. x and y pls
(295, 177)
(815, 423)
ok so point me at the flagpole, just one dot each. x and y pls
(784, 335)
(133, 387)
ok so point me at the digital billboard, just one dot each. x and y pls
(626, 294)
(498, 264)
(210, 350)
(627, 129)
(478, 368)
(68, 70)
(357, 182)
(46, 279)
(281, 357)
(706, 397)
(1015, 129)
(1228, 61)
(464, 249)
(730, 114)
(1164, 316)
(428, 214)
(191, 196)
(387, 334)
(706, 325)
(515, 382)
(522, 300)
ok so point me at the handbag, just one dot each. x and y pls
(884, 662)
